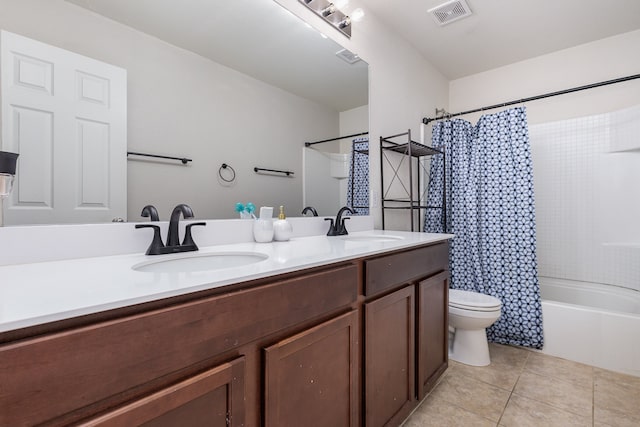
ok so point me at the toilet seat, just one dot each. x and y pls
(473, 301)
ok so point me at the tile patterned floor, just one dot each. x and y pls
(524, 388)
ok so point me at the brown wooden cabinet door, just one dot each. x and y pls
(432, 329)
(214, 398)
(311, 379)
(389, 358)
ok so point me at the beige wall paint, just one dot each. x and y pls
(182, 104)
(403, 87)
(601, 60)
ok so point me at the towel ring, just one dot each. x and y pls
(233, 172)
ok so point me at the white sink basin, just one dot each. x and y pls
(372, 238)
(200, 262)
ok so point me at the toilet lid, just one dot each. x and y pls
(473, 300)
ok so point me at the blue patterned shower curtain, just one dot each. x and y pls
(358, 185)
(490, 209)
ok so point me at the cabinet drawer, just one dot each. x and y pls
(56, 374)
(387, 271)
(214, 398)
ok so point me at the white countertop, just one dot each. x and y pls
(37, 293)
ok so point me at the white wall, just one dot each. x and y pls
(182, 104)
(354, 121)
(323, 189)
(601, 60)
(403, 87)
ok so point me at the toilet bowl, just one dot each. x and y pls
(470, 313)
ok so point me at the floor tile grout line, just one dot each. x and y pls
(526, 359)
(539, 401)
(494, 385)
(505, 407)
(432, 391)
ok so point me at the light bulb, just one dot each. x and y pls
(340, 4)
(357, 15)
(329, 10)
(345, 22)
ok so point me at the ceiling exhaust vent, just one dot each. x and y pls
(450, 11)
(348, 56)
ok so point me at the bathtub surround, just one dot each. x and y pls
(586, 173)
(490, 209)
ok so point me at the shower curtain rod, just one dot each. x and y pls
(428, 120)
(307, 144)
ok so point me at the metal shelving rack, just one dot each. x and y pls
(414, 151)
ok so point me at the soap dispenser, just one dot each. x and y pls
(282, 229)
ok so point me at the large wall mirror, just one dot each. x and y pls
(242, 83)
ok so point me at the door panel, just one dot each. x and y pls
(432, 330)
(66, 115)
(311, 378)
(389, 358)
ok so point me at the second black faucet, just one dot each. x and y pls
(338, 228)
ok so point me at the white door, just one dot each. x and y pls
(66, 115)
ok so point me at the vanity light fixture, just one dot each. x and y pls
(330, 13)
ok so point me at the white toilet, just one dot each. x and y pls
(470, 313)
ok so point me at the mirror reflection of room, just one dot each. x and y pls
(227, 92)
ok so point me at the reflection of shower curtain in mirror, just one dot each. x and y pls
(358, 185)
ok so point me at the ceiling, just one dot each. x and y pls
(258, 38)
(501, 32)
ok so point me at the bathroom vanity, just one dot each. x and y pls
(353, 335)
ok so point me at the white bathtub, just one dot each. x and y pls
(594, 324)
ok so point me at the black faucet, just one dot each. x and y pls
(173, 241)
(338, 227)
(310, 209)
(150, 211)
(172, 235)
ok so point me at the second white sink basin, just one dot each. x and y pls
(372, 238)
(200, 262)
